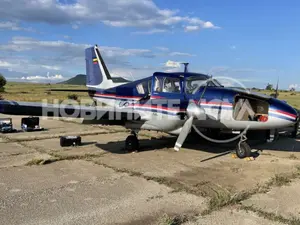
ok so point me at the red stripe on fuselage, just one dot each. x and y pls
(285, 113)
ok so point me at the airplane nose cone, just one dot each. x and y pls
(283, 111)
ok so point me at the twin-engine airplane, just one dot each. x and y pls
(175, 103)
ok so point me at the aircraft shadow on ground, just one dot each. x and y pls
(284, 144)
(165, 143)
(85, 143)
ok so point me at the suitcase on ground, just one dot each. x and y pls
(66, 141)
(31, 124)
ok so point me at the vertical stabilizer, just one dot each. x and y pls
(97, 74)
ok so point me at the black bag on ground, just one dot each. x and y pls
(66, 141)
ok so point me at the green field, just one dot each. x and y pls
(31, 92)
(38, 92)
(293, 98)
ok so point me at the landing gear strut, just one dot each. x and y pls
(243, 150)
(132, 142)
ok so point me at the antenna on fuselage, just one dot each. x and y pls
(186, 65)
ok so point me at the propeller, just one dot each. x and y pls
(276, 91)
(193, 111)
(275, 95)
(296, 127)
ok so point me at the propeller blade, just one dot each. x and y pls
(184, 133)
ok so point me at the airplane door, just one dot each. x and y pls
(167, 87)
(167, 92)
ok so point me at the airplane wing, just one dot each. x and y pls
(74, 111)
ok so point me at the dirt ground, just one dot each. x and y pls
(99, 183)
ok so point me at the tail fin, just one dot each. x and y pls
(97, 74)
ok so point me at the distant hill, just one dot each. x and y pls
(79, 79)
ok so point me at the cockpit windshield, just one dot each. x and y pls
(194, 83)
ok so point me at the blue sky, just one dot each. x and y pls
(253, 41)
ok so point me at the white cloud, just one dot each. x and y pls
(152, 31)
(294, 86)
(209, 24)
(163, 49)
(117, 13)
(172, 64)
(167, 52)
(233, 47)
(196, 24)
(51, 67)
(69, 48)
(67, 37)
(33, 78)
(33, 56)
(14, 26)
(191, 28)
(5, 64)
(75, 26)
(181, 54)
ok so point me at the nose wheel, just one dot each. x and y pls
(132, 142)
(243, 150)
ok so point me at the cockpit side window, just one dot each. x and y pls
(193, 84)
(167, 84)
(171, 85)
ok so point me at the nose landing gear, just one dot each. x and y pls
(243, 150)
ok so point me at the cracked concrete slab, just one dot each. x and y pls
(21, 160)
(284, 201)
(79, 192)
(14, 154)
(187, 167)
(11, 149)
(232, 216)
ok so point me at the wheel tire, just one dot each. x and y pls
(243, 150)
(131, 143)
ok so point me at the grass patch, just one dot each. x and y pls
(56, 157)
(280, 180)
(292, 156)
(37, 162)
(272, 216)
(225, 198)
(173, 220)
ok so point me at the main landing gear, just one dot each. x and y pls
(132, 142)
(243, 150)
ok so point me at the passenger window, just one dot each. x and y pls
(143, 88)
(140, 89)
(157, 84)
